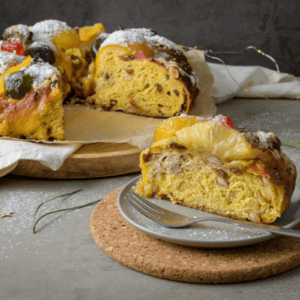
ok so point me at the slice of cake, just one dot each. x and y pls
(30, 99)
(140, 72)
(210, 166)
(40, 66)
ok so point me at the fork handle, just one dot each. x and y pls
(247, 224)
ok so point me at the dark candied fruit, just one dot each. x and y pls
(177, 146)
(18, 84)
(96, 45)
(41, 51)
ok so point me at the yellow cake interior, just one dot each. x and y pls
(135, 85)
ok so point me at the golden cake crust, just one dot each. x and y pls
(278, 167)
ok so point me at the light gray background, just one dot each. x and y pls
(220, 25)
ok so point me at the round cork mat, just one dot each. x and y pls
(143, 253)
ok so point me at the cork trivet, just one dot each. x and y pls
(143, 253)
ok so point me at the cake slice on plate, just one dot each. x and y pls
(208, 165)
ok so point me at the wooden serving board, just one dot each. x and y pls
(90, 161)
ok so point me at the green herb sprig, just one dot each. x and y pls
(292, 144)
(56, 211)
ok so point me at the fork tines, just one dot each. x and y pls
(145, 207)
(143, 203)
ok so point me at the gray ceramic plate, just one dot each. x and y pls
(205, 234)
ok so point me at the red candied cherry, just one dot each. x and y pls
(12, 45)
(223, 119)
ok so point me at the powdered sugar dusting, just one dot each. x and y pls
(40, 72)
(23, 196)
(15, 39)
(216, 119)
(49, 27)
(161, 55)
(44, 31)
(23, 30)
(263, 136)
(137, 35)
(8, 60)
(18, 226)
(200, 119)
(36, 44)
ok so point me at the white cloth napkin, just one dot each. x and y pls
(51, 156)
(251, 82)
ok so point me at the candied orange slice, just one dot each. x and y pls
(103, 52)
(168, 127)
(88, 33)
(132, 49)
(67, 39)
(223, 141)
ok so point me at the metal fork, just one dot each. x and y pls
(174, 220)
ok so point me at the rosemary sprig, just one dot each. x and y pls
(291, 144)
(52, 212)
(68, 194)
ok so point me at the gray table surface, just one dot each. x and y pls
(62, 261)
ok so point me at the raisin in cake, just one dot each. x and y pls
(140, 72)
(210, 166)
